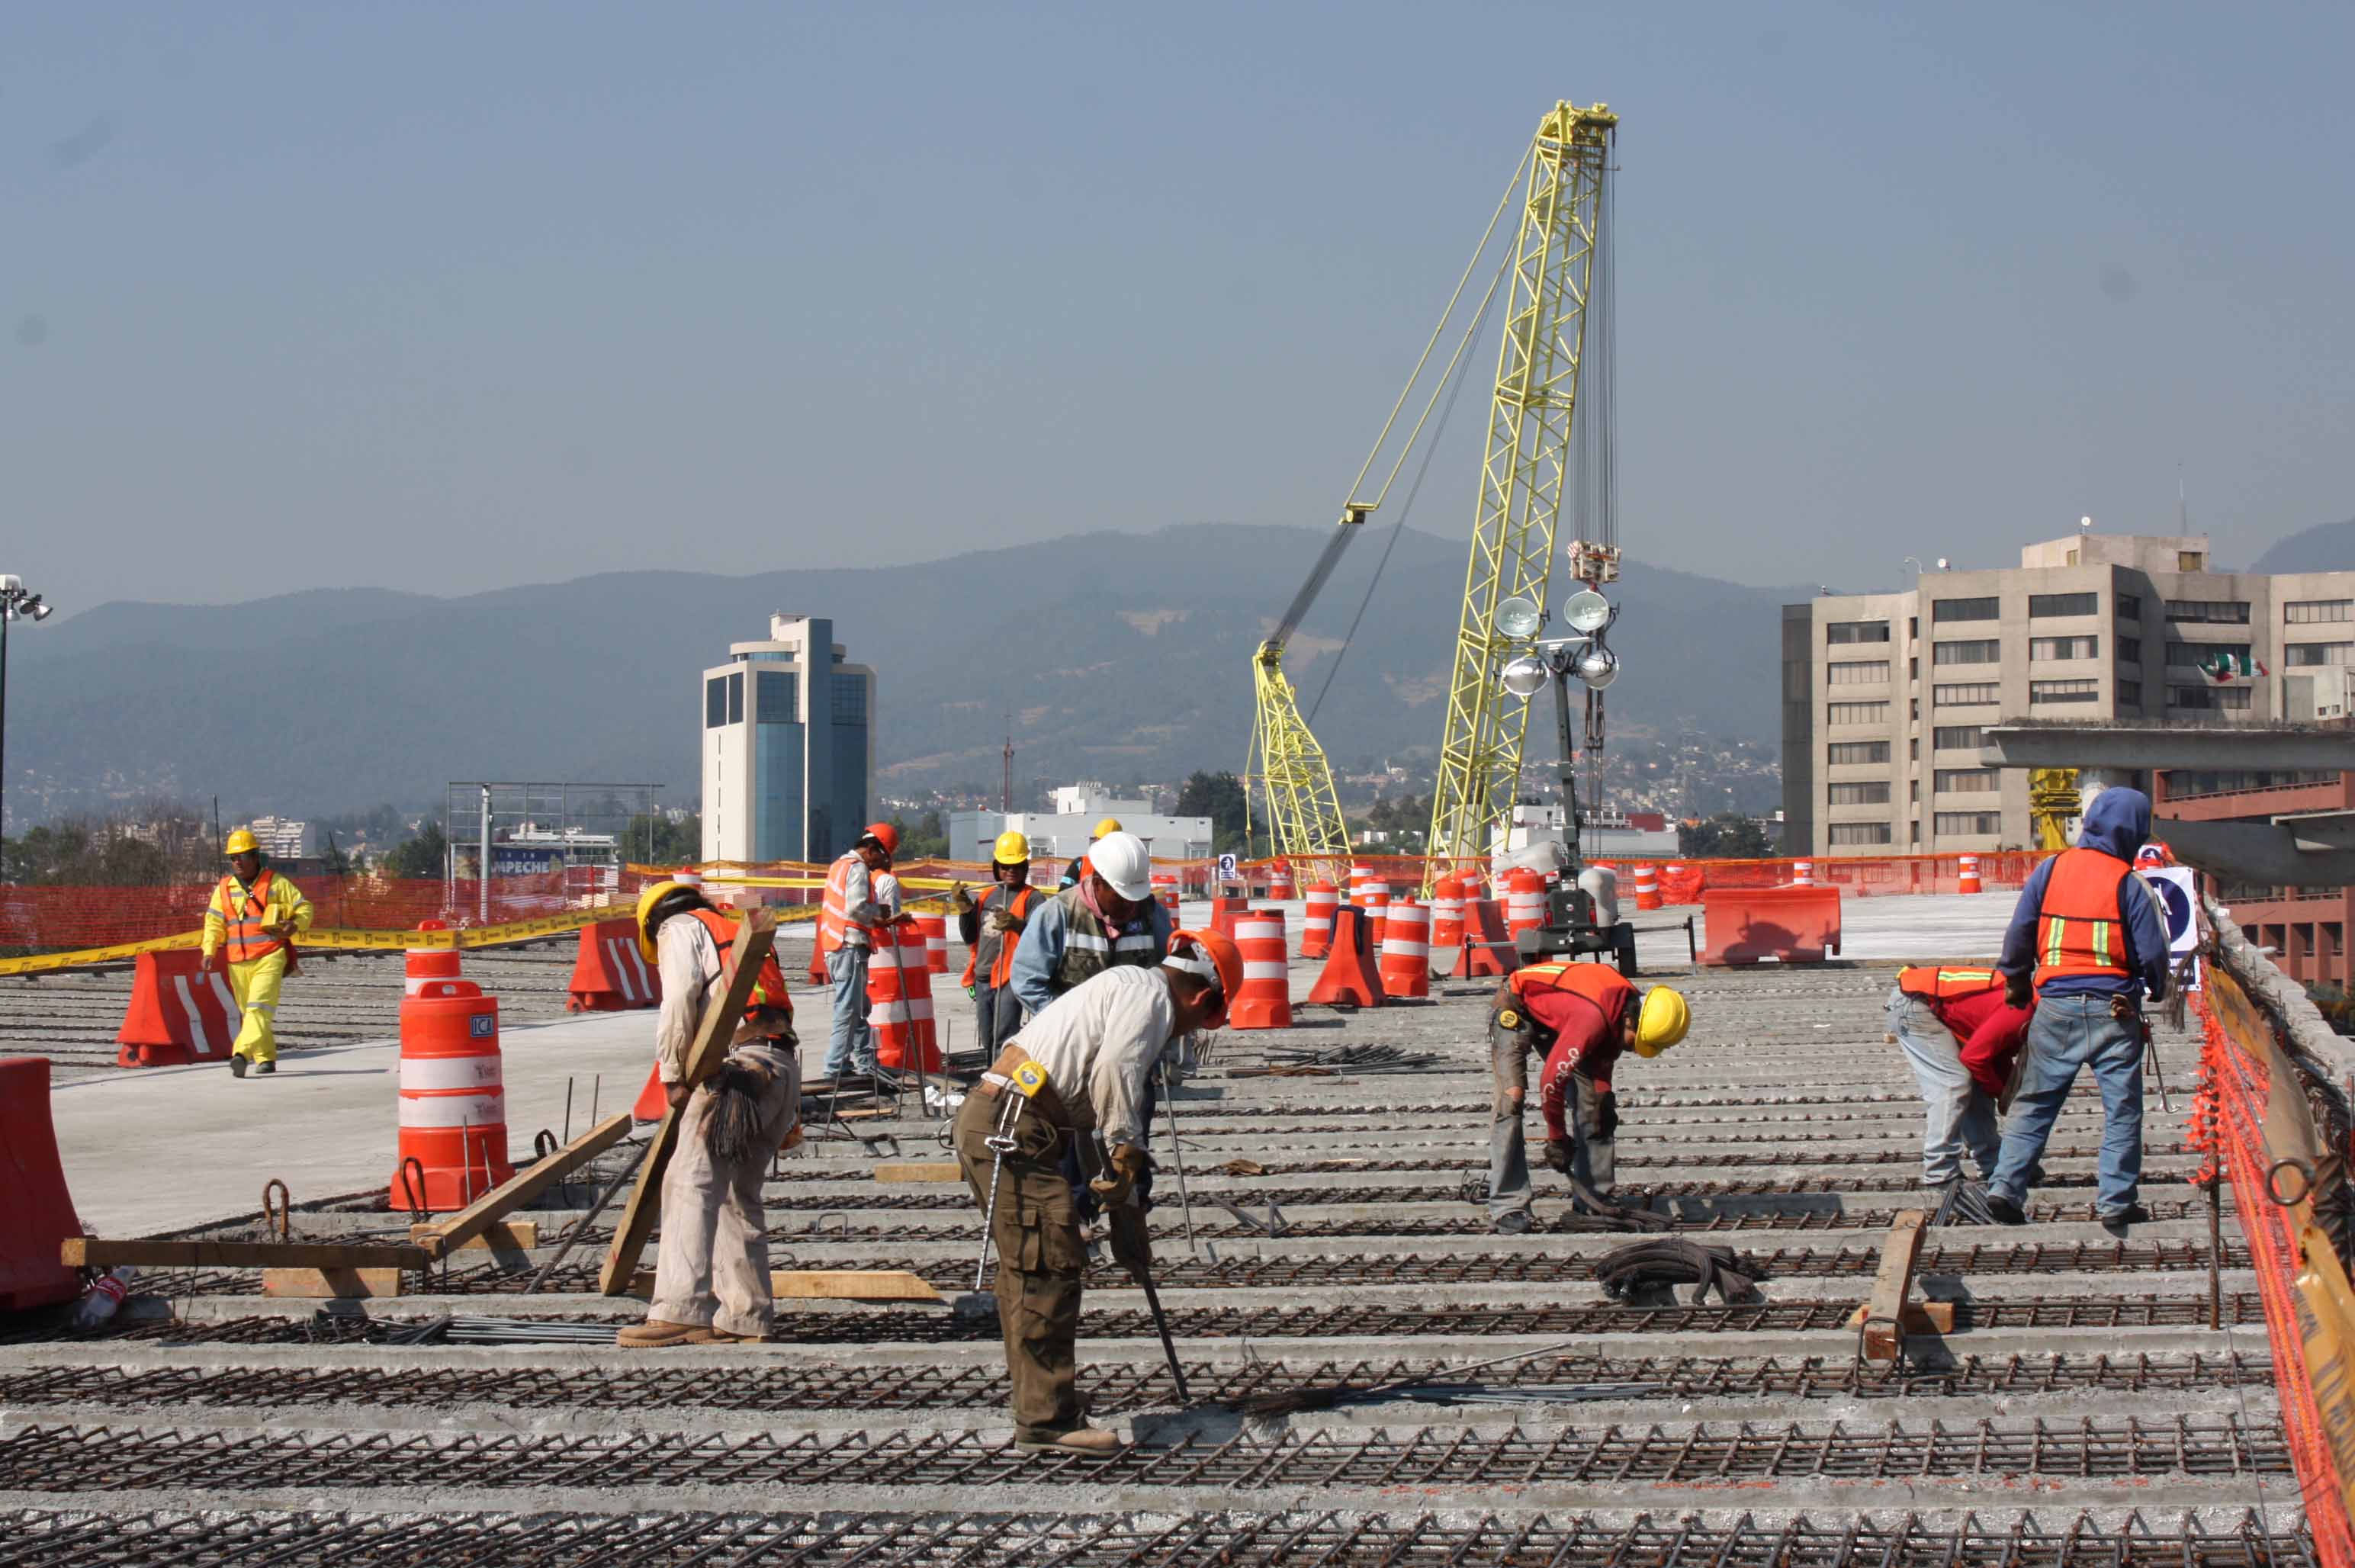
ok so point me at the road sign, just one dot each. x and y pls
(2178, 896)
(1229, 868)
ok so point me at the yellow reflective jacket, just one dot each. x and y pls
(282, 899)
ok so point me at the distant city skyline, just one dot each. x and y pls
(448, 299)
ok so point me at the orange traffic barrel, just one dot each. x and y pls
(1406, 949)
(430, 963)
(1316, 928)
(454, 1108)
(1164, 888)
(1264, 999)
(900, 999)
(1803, 873)
(936, 928)
(1648, 887)
(1970, 878)
(1446, 938)
(1377, 906)
(1524, 901)
(1279, 880)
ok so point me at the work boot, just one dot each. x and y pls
(2005, 1211)
(655, 1334)
(1513, 1222)
(723, 1336)
(265, 1067)
(1090, 1441)
(237, 1065)
(2117, 1224)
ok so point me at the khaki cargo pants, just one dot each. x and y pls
(711, 1267)
(1039, 1262)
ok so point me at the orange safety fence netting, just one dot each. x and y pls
(2251, 1122)
(54, 919)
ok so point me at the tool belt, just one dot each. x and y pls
(1007, 1075)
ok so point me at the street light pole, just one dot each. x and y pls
(15, 604)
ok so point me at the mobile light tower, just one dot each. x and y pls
(16, 604)
(1570, 927)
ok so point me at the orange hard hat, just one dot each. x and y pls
(1225, 966)
(883, 833)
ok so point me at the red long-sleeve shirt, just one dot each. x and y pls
(1990, 1033)
(1584, 1040)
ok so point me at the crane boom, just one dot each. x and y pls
(1304, 824)
(1522, 478)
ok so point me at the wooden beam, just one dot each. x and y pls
(444, 1236)
(1884, 1317)
(756, 937)
(95, 1251)
(338, 1284)
(827, 1285)
(505, 1236)
(920, 1170)
(1920, 1318)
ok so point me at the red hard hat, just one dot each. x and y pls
(1224, 957)
(883, 833)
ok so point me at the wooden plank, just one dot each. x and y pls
(97, 1251)
(920, 1170)
(504, 1236)
(1884, 1317)
(1920, 1318)
(443, 1236)
(756, 937)
(338, 1284)
(827, 1285)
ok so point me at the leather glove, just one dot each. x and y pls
(1556, 1155)
(1117, 1185)
(1000, 922)
(2017, 991)
(960, 900)
(1606, 1114)
(1132, 1242)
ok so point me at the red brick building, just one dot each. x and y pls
(2306, 927)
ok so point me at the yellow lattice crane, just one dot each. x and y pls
(1555, 278)
(1287, 766)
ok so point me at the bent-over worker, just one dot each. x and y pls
(1110, 919)
(992, 931)
(851, 915)
(1961, 1037)
(1580, 1016)
(1078, 1072)
(2087, 938)
(250, 923)
(711, 1269)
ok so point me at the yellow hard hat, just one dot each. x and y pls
(1011, 849)
(243, 842)
(1109, 825)
(1662, 1022)
(656, 892)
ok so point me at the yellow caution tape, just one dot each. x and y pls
(335, 939)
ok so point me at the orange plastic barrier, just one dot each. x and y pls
(1647, 886)
(1377, 906)
(1681, 884)
(1406, 950)
(1524, 901)
(608, 974)
(1484, 929)
(1748, 925)
(454, 1105)
(1316, 928)
(936, 928)
(1446, 926)
(1265, 998)
(1223, 912)
(39, 1212)
(179, 1012)
(1279, 881)
(900, 1000)
(1351, 978)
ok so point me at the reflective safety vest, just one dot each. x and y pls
(834, 920)
(1937, 982)
(992, 952)
(2080, 926)
(768, 990)
(245, 916)
(1091, 947)
(1599, 984)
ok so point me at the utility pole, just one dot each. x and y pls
(15, 604)
(1006, 786)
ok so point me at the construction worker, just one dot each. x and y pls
(1580, 1016)
(2089, 942)
(711, 1269)
(249, 927)
(852, 911)
(992, 930)
(1109, 918)
(1959, 1035)
(1076, 1079)
(1079, 867)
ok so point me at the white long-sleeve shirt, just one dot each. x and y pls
(1099, 1041)
(690, 960)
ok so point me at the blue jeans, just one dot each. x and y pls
(851, 1046)
(2072, 1033)
(1961, 1118)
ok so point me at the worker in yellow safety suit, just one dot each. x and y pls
(249, 927)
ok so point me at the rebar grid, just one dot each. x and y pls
(102, 1457)
(1110, 1386)
(1332, 1539)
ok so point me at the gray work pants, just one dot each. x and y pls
(1960, 1118)
(998, 1017)
(1593, 1154)
(711, 1266)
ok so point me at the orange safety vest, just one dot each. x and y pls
(999, 945)
(2080, 926)
(1935, 982)
(834, 920)
(768, 990)
(1598, 983)
(246, 941)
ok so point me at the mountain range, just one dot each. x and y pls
(1120, 656)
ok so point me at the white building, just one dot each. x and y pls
(788, 746)
(1059, 835)
(282, 840)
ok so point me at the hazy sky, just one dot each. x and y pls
(454, 297)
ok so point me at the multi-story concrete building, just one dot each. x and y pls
(788, 746)
(1060, 835)
(1884, 694)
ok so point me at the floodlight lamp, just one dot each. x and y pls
(1597, 666)
(1519, 617)
(1525, 675)
(1586, 611)
(37, 609)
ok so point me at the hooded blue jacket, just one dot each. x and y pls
(2117, 823)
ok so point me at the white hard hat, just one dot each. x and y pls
(1120, 859)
